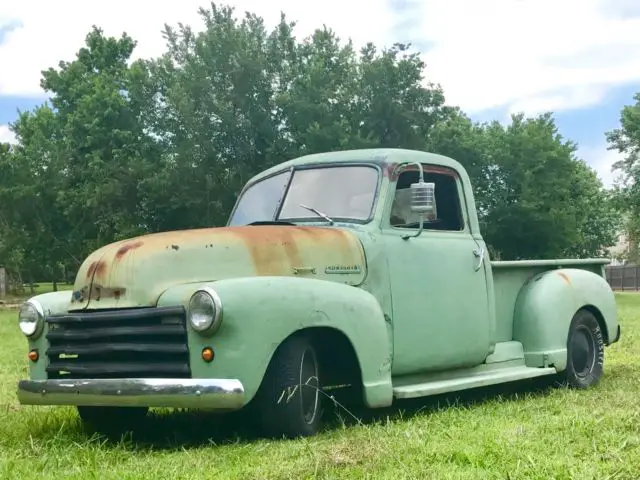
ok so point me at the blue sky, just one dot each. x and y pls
(577, 58)
(9, 106)
(585, 125)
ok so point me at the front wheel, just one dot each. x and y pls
(290, 399)
(585, 351)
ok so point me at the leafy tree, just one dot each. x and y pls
(34, 191)
(543, 196)
(11, 232)
(101, 148)
(626, 140)
(535, 198)
(167, 143)
(31, 222)
(236, 99)
(395, 105)
(456, 136)
(214, 112)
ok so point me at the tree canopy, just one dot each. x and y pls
(626, 140)
(124, 147)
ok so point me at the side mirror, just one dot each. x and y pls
(423, 199)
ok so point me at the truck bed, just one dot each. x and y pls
(510, 276)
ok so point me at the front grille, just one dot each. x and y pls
(131, 343)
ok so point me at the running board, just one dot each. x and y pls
(453, 381)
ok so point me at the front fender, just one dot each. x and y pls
(259, 313)
(546, 305)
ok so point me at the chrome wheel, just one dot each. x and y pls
(309, 385)
(289, 399)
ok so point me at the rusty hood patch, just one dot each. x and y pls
(134, 272)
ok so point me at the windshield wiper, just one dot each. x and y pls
(320, 214)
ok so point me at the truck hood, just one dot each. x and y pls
(135, 272)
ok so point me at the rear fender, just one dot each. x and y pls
(546, 305)
(259, 313)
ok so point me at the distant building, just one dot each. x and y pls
(618, 253)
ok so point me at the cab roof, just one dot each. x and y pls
(384, 157)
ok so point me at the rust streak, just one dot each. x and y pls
(388, 170)
(101, 268)
(431, 169)
(261, 243)
(291, 251)
(340, 243)
(565, 277)
(96, 268)
(122, 251)
(91, 270)
(270, 250)
(290, 242)
(98, 292)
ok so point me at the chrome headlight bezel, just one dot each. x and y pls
(205, 298)
(31, 329)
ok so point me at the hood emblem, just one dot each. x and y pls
(343, 269)
(303, 270)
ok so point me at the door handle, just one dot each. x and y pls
(479, 253)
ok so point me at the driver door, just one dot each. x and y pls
(440, 304)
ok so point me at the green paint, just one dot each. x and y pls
(423, 315)
(544, 309)
(249, 336)
(455, 380)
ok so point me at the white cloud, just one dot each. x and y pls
(563, 98)
(530, 55)
(6, 135)
(601, 160)
(52, 31)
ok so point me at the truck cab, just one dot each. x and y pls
(363, 270)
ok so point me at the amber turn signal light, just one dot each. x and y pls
(207, 354)
(33, 355)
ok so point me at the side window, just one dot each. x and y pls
(449, 212)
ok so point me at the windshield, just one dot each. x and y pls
(340, 193)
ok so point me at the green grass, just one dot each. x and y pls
(514, 432)
(40, 287)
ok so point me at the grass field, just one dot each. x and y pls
(40, 287)
(514, 432)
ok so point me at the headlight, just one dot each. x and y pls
(31, 318)
(205, 311)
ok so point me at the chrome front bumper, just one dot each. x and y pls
(217, 394)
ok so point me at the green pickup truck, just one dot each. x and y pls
(358, 272)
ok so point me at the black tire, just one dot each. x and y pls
(290, 398)
(585, 351)
(112, 420)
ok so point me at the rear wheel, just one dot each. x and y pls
(112, 420)
(585, 351)
(290, 398)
